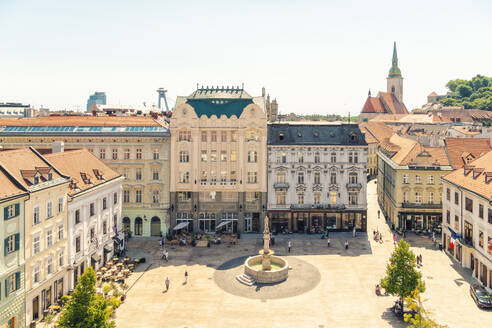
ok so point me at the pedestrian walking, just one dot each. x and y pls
(379, 213)
(394, 239)
(163, 254)
(160, 242)
(166, 256)
(289, 245)
(353, 232)
(328, 242)
(346, 244)
(186, 277)
(167, 283)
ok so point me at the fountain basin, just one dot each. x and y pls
(278, 272)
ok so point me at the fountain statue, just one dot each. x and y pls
(266, 268)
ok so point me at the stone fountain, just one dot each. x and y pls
(266, 268)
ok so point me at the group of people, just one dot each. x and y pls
(167, 282)
(378, 237)
(419, 260)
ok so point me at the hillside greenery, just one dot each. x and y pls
(475, 93)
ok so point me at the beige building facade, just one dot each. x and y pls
(136, 147)
(218, 154)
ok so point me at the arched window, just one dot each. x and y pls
(126, 223)
(138, 226)
(393, 89)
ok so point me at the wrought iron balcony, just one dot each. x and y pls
(278, 185)
(422, 205)
(317, 206)
(468, 242)
(354, 186)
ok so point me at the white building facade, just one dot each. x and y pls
(316, 177)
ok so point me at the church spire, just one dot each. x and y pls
(394, 70)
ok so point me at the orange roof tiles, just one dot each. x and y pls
(410, 152)
(457, 147)
(378, 130)
(79, 164)
(81, 121)
(9, 186)
(373, 105)
(392, 104)
(478, 183)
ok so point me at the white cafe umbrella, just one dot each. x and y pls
(223, 223)
(181, 225)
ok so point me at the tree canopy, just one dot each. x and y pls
(475, 93)
(86, 309)
(401, 275)
(420, 317)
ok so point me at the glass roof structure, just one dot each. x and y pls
(69, 130)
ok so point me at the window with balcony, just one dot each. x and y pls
(431, 179)
(468, 204)
(127, 153)
(184, 157)
(300, 198)
(418, 197)
(115, 153)
(252, 156)
(300, 177)
(204, 136)
(317, 177)
(138, 196)
(126, 196)
(353, 178)
(213, 156)
(317, 197)
(333, 177)
(184, 177)
(316, 157)
(35, 216)
(102, 153)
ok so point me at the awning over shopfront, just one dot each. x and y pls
(223, 223)
(181, 225)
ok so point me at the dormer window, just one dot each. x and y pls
(316, 134)
(85, 178)
(36, 180)
(353, 137)
(281, 136)
(50, 176)
(98, 174)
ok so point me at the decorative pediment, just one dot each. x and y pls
(302, 168)
(317, 168)
(301, 187)
(333, 187)
(318, 187)
(281, 168)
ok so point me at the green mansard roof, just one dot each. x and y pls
(219, 101)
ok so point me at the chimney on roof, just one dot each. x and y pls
(57, 147)
(369, 93)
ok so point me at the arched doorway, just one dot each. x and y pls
(155, 226)
(138, 226)
(126, 223)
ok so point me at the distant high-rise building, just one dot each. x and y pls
(98, 98)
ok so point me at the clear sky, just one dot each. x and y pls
(313, 56)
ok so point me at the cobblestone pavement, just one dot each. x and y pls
(344, 296)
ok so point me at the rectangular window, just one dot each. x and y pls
(284, 157)
(115, 153)
(281, 176)
(317, 177)
(300, 157)
(138, 153)
(36, 273)
(448, 217)
(489, 214)
(316, 157)
(49, 238)
(60, 232)
(204, 136)
(105, 205)
(138, 196)
(353, 198)
(36, 217)
(300, 198)
(204, 155)
(213, 155)
(350, 157)
(49, 210)
(480, 238)
(105, 227)
(102, 153)
(184, 196)
(233, 155)
(418, 198)
(405, 197)
(456, 199)
(60, 258)
(480, 211)
(60, 205)
(49, 265)
(252, 177)
(300, 177)
(184, 177)
(489, 248)
(184, 136)
(233, 136)
(448, 194)
(155, 197)
(333, 197)
(77, 244)
(333, 177)
(36, 246)
(431, 179)
(213, 136)
(92, 209)
(252, 156)
(115, 198)
(184, 157)
(127, 153)
(77, 216)
(11, 211)
(10, 244)
(223, 136)
(155, 174)
(317, 197)
(418, 179)
(156, 154)
(405, 179)
(333, 157)
(223, 156)
(356, 157)
(468, 204)
(431, 197)
(280, 197)
(138, 174)
(126, 196)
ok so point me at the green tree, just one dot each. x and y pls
(421, 317)
(464, 90)
(86, 309)
(401, 275)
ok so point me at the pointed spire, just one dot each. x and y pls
(369, 93)
(395, 56)
(394, 70)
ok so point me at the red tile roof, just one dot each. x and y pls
(385, 103)
(458, 149)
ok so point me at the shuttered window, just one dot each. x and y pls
(11, 211)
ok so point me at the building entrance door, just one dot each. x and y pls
(155, 226)
(248, 224)
(255, 224)
(207, 225)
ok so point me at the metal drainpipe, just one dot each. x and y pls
(462, 223)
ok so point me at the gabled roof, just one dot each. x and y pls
(378, 130)
(384, 103)
(373, 105)
(478, 181)
(80, 163)
(315, 134)
(9, 186)
(406, 151)
(458, 149)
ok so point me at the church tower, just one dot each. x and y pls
(394, 79)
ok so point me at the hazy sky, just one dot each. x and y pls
(313, 56)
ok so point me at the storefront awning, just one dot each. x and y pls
(181, 225)
(223, 223)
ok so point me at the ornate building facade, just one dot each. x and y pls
(218, 169)
(136, 147)
(316, 177)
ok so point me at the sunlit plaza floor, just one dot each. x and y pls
(343, 297)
